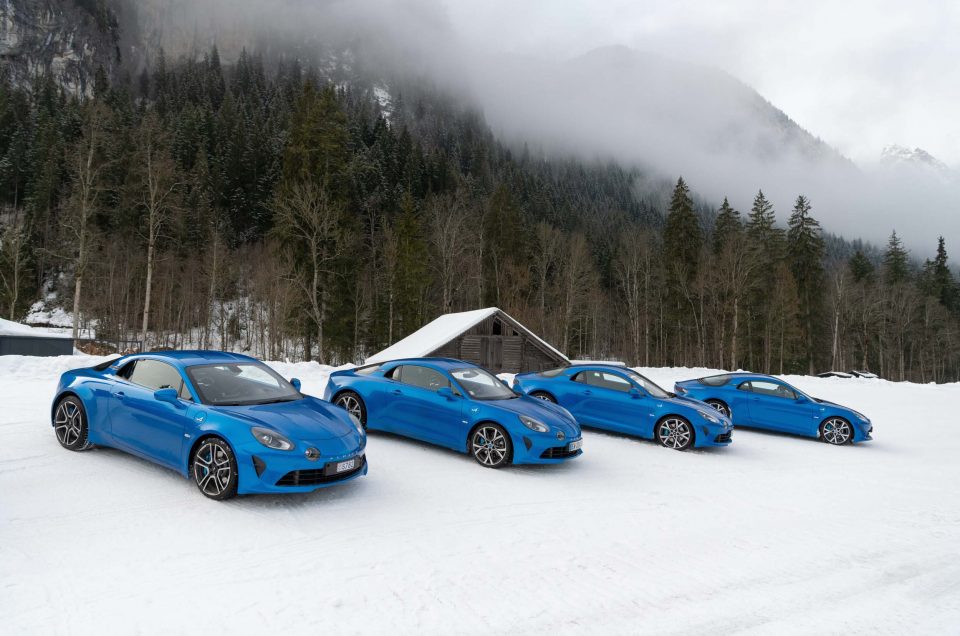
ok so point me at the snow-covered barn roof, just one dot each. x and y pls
(20, 330)
(434, 335)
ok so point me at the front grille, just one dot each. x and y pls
(314, 476)
(724, 437)
(559, 452)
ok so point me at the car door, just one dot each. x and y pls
(419, 412)
(143, 424)
(774, 405)
(608, 402)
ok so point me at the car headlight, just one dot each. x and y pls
(863, 418)
(356, 422)
(271, 439)
(710, 417)
(534, 425)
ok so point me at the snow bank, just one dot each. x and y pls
(10, 328)
(771, 535)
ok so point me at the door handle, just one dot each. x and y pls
(756, 399)
(397, 392)
(119, 394)
(588, 392)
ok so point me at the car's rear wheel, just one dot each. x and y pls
(675, 432)
(543, 395)
(720, 406)
(836, 431)
(70, 424)
(214, 468)
(353, 404)
(490, 446)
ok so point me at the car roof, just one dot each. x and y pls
(192, 358)
(446, 364)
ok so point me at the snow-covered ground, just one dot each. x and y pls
(771, 535)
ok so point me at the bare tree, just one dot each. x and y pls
(85, 164)
(634, 268)
(158, 199)
(576, 281)
(448, 220)
(309, 222)
(548, 247)
(14, 260)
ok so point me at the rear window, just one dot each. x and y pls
(715, 380)
(552, 373)
(367, 370)
(103, 366)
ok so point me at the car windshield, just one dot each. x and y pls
(481, 385)
(240, 384)
(648, 385)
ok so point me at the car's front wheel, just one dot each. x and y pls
(490, 446)
(675, 432)
(836, 431)
(543, 395)
(70, 424)
(214, 469)
(353, 404)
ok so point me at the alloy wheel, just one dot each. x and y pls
(351, 405)
(674, 433)
(490, 446)
(212, 469)
(836, 431)
(720, 406)
(68, 423)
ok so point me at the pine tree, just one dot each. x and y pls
(860, 267)
(805, 250)
(765, 246)
(895, 266)
(682, 235)
(412, 278)
(944, 287)
(727, 227)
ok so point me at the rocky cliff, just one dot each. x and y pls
(65, 39)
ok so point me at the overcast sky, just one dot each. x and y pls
(861, 74)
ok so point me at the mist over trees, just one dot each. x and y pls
(257, 207)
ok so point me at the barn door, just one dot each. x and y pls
(493, 353)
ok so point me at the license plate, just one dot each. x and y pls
(343, 467)
(577, 445)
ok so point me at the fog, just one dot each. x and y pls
(568, 90)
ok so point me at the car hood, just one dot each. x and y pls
(549, 413)
(841, 407)
(306, 419)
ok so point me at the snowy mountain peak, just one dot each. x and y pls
(896, 154)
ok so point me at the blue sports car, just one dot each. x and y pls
(458, 405)
(762, 401)
(227, 421)
(619, 399)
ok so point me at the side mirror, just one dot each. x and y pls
(505, 383)
(295, 383)
(446, 392)
(802, 399)
(170, 396)
(636, 393)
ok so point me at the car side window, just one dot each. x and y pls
(744, 386)
(580, 377)
(421, 377)
(611, 381)
(156, 375)
(773, 389)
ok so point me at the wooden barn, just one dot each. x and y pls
(488, 337)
